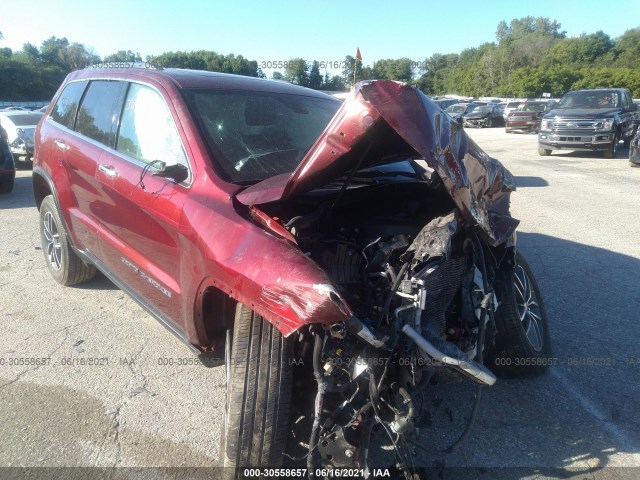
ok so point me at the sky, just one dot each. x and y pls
(283, 29)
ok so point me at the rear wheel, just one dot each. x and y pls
(259, 381)
(523, 344)
(544, 152)
(64, 264)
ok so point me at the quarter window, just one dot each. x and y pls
(64, 111)
(147, 130)
(99, 111)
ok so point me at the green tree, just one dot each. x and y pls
(297, 71)
(394, 69)
(52, 50)
(347, 73)
(582, 50)
(315, 79)
(627, 49)
(123, 56)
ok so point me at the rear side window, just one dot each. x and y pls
(64, 111)
(100, 109)
(147, 130)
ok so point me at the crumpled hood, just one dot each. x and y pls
(384, 118)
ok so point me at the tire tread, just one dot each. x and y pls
(259, 394)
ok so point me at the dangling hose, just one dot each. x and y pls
(313, 459)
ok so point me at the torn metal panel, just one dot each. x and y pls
(394, 118)
(434, 240)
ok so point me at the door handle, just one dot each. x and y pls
(108, 171)
(61, 145)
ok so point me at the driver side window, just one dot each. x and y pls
(147, 130)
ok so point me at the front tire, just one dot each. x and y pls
(543, 152)
(64, 264)
(523, 343)
(613, 148)
(259, 384)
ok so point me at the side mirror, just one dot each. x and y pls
(178, 172)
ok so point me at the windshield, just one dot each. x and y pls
(590, 99)
(258, 135)
(482, 109)
(531, 107)
(456, 109)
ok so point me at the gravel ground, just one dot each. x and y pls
(105, 385)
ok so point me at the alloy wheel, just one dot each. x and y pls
(52, 238)
(529, 309)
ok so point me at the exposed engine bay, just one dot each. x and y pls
(420, 285)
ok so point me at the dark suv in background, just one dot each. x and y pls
(589, 120)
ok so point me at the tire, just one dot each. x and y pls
(543, 152)
(7, 186)
(627, 142)
(523, 343)
(506, 130)
(613, 148)
(64, 264)
(259, 385)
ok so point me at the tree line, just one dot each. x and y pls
(530, 56)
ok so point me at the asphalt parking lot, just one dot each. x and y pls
(102, 384)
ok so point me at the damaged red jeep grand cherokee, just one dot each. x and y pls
(371, 239)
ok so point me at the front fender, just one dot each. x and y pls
(263, 271)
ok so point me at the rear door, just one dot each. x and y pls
(77, 153)
(141, 242)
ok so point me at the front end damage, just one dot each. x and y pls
(410, 222)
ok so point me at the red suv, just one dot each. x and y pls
(325, 248)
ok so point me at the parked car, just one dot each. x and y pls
(458, 110)
(7, 166)
(445, 103)
(526, 117)
(316, 244)
(20, 127)
(509, 106)
(634, 151)
(593, 120)
(483, 116)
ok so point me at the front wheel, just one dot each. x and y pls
(523, 343)
(613, 148)
(259, 383)
(544, 152)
